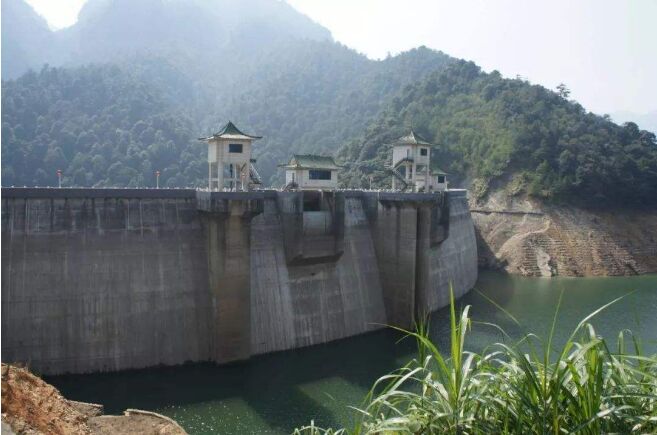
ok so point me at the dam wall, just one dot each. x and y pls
(330, 293)
(454, 262)
(112, 279)
(98, 280)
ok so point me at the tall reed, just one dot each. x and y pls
(529, 388)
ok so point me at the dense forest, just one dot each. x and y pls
(111, 108)
(133, 118)
(490, 130)
(100, 126)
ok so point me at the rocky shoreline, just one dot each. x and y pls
(524, 237)
(32, 406)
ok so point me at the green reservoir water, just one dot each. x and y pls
(276, 393)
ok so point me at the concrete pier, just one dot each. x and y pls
(112, 279)
(227, 226)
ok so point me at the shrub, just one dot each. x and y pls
(529, 388)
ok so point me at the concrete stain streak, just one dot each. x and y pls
(106, 280)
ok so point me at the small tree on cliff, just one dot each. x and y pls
(563, 91)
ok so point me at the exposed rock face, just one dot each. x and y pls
(134, 421)
(34, 407)
(30, 405)
(532, 239)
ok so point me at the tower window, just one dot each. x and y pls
(319, 174)
(441, 179)
(423, 151)
(235, 148)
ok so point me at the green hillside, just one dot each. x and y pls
(276, 73)
(101, 126)
(197, 64)
(494, 130)
(145, 113)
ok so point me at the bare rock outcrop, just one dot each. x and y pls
(32, 406)
(524, 237)
(135, 421)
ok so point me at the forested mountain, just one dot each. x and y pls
(99, 125)
(134, 83)
(114, 125)
(523, 137)
(296, 87)
(314, 97)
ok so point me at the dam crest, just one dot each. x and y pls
(112, 279)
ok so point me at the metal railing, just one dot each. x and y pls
(405, 183)
(254, 175)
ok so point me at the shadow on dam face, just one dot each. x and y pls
(280, 389)
(114, 279)
(275, 386)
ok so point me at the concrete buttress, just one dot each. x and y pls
(111, 279)
(227, 224)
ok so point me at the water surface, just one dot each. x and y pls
(275, 393)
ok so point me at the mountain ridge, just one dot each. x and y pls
(305, 93)
(108, 30)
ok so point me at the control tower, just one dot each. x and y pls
(411, 165)
(230, 166)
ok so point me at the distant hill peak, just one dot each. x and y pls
(114, 30)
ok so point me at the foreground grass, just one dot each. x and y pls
(584, 387)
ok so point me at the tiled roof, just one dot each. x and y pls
(412, 138)
(230, 131)
(311, 161)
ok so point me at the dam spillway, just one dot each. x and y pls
(112, 279)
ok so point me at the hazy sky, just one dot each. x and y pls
(604, 50)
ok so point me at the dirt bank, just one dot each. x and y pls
(528, 238)
(32, 406)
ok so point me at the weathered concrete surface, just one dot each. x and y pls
(228, 276)
(296, 304)
(395, 237)
(111, 279)
(227, 221)
(311, 237)
(454, 262)
(97, 284)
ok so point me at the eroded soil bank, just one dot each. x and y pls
(32, 406)
(525, 237)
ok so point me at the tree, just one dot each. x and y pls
(563, 91)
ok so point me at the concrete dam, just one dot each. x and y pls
(112, 279)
